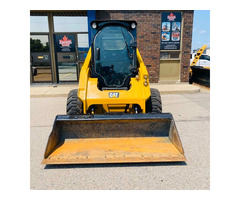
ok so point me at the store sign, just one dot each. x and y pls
(65, 43)
(171, 30)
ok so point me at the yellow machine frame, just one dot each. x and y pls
(89, 93)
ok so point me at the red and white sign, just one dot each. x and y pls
(171, 17)
(65, 42)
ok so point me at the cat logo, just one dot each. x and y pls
(113, 94)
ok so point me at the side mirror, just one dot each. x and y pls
(97, 53)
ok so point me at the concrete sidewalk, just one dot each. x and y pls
(61, 90)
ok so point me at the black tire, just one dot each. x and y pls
(154, 103)
(74, 105)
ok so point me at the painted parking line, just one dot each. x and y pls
(38, 75)
(65, 75)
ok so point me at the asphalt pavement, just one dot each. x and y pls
(192, 116)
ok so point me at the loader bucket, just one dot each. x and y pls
(121, 138)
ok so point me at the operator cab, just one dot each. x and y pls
(114, 53)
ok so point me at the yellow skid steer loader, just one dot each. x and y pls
(114, 116)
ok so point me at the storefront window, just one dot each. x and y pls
(82, 40)
(164, 55)
(169, 55)
(175, 55)
(39, 43)
(70, 24)
(83, 47)
(39, 24)
(40, 58)
(68, 63)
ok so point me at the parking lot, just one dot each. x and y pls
(192, 116)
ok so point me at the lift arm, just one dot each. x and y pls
(198, 55)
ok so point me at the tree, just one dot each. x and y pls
(37, 46)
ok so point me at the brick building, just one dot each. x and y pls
(164, 40)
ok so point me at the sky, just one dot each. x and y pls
(201, 29)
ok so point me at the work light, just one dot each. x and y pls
(133, 25)
(94, 25)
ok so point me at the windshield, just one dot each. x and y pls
(113, 55)
(205, 57)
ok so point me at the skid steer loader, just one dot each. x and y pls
(114, 116)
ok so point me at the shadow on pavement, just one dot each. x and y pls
(67, 166)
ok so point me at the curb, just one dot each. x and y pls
(180, 92)
(47, 95)
(162, 89)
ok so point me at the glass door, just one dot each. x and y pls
(40, 58)
(66, 57)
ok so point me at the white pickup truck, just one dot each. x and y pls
(204, 60)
